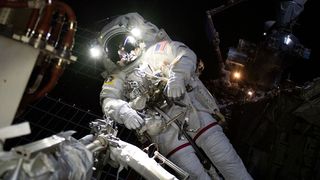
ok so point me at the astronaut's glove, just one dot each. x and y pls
(130, 117)
(175, 88)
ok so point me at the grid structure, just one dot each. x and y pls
(49, 116)
(65, 108)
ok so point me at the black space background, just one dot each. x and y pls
(184, 21)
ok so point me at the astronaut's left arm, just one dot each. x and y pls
(182, 67)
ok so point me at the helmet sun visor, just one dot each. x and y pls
(121, 49)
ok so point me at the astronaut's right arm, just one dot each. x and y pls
(114, 106)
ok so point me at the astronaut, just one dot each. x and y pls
(152, 87)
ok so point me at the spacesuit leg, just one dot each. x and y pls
(187, 160)
(218, 148)
(180, 152)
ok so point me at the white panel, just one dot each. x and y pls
(16, 64)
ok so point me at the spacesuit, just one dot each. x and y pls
(154, 85)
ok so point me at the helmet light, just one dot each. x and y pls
(95, 52)
(136, 32)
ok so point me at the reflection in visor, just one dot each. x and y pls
(125, 57)
(121, 49)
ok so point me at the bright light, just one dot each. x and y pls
(136, 32)
(250, 93)
(95, 52)
(264, 33)
(287, 40)
(237, 75)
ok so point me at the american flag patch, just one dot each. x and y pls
(160, 46)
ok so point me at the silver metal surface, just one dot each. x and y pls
(27, 151)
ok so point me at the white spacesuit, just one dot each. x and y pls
(154, 86)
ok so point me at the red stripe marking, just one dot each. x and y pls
(177, 149)
(203, 130)
(194, 139)
(163, 45)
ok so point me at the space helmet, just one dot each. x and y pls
(123, 48)
(125, 38)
